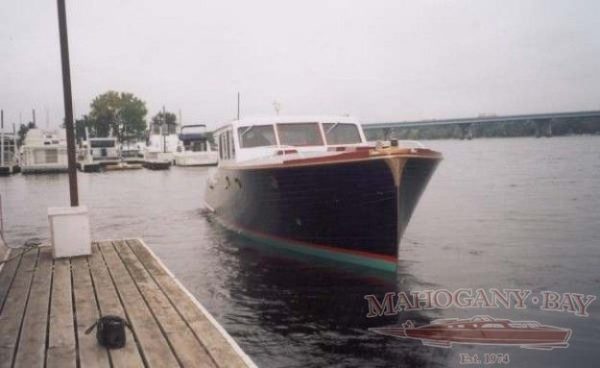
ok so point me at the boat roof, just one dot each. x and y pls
(36, 136)
(265, 120)
(193, 126)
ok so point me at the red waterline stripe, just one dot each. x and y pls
(321, 246)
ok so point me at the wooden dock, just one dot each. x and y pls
(46, 305)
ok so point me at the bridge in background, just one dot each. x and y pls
(543, 122)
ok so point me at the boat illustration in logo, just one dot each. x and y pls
(481, 330)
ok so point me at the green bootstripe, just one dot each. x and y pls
(323, 253)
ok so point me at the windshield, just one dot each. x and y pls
(102, 144)
(338, 133)
(304, 134)
(257, 136)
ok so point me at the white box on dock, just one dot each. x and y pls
(70, 231)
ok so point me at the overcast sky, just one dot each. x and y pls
(378, 60)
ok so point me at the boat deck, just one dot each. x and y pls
(47, 304)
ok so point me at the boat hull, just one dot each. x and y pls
(545, 337)
(196, 159)
(352, 211)
(157, 165)
(542, 337)
(9, 169)
(44, 169)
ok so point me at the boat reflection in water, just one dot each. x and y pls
(315, 185)
(482, 330)
(287, 309)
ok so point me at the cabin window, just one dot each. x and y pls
(39, 156)
(221, 146)
(51, 156)
(230, 145)
(226, 145)
(304, 134)
(338, 133)
(102, 144)
(198, 146)
(256, 136)
(492, 325)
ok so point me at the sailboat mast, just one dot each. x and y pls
(163, 133)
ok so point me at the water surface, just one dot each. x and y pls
(499, 213)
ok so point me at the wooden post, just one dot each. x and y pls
(238, 106)
(68, 100)
(2, 138)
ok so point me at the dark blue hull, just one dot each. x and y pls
(358, 209)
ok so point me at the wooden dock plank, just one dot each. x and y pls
(62, 351)
(48, 305)
(3, 252)
(91, 354)
(153, 343)
(14, 309)
(32, 343)
(189, 350)
(109, 303)
(216, 344)
(7, 274)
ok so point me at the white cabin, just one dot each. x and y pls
(269, 140)
(161, 147)
(102, 149)
(44, 151)
(195, 149)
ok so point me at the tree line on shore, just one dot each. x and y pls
(118, 114)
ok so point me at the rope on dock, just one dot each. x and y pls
(29, 245)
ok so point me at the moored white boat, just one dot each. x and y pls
(160, 148)
(44, 152)
(97, 152)
(132, 152)
(195, 149)
(9, 154)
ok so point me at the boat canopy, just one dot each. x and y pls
(195, 132)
